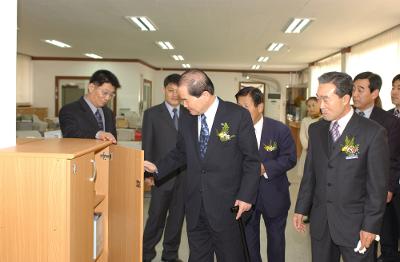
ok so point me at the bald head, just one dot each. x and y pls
(196, 82)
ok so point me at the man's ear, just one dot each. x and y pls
(375, 94)
(91, 87)
(260, 108)
(346, 99)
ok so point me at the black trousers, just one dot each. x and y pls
(166, 214)
(275, 236)
(204, 242)
(390, 228)
(325, 250)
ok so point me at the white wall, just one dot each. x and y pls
(131, 76)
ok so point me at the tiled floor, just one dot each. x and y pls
(297, 245)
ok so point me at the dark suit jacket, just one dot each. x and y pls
(159, 136)
(78, 121)
(229, 171)
(391, 110)
(347, 195)
(392, 126)
(273, 193)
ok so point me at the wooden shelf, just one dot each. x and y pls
(98, 199)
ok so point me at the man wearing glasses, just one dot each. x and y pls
(89, 117)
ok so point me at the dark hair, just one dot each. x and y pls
(172, 79)
(197, 82)
(375, 81)
(312, 98)
(342, 81)
(396, 78)
(255, 93)
(104, 76)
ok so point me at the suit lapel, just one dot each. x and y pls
(194, 125)
(325, 137)
(88, 112)
(349, 131)
(264, 136)
(165, 115)
(218, 119)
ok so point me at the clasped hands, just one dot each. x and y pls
(366, 238)
(151, 168)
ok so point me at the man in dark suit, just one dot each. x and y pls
(366, 90)
(217, 143)
(159, 133)
(277, 152)
(89, 117)
(344, 186)
(395, 95)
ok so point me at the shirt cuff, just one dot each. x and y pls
(265, 175)
(97, 136)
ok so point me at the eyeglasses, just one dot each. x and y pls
(106, 93)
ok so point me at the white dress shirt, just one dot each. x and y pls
(344, 121)
(210, 115)
(258, 129)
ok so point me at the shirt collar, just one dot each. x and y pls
(92, 107)
(170, 108)
(212, 110)
(344, 120)
(367, 112)
(259, 125)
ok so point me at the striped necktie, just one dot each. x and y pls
(204, 136)
(99, 120)
(334, 130)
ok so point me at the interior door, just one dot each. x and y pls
(81, 208)
(125, 204)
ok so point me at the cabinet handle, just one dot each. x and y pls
(94, 175)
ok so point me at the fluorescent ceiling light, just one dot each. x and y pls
(297, 25)
(262, 59)
(178, 57)
(91, 55)
(144, 23)
(186, 65)
(57, 43)
(165, 45)
(275, 47)
(255, 67)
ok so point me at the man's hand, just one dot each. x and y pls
(262, 170)
(243, 206)
(106, 136)
(366, 239)
(150, 167)
(389, 197)
(298, 223)
(149, 181)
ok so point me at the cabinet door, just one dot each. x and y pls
(81, 208)
(125, 204)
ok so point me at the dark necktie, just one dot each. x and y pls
(175, 118)
(361, 113)
(99, 120)
(334, 130)
(204, 136)
(396, 113)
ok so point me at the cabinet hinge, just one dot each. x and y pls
(106, 156)
(138, 184)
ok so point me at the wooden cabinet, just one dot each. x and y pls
(50, 190)
(295, 130)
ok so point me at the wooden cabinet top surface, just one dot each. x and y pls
(68, 148)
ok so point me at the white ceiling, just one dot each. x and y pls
(218, 34)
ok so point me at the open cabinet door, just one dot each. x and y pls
(125, 204)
